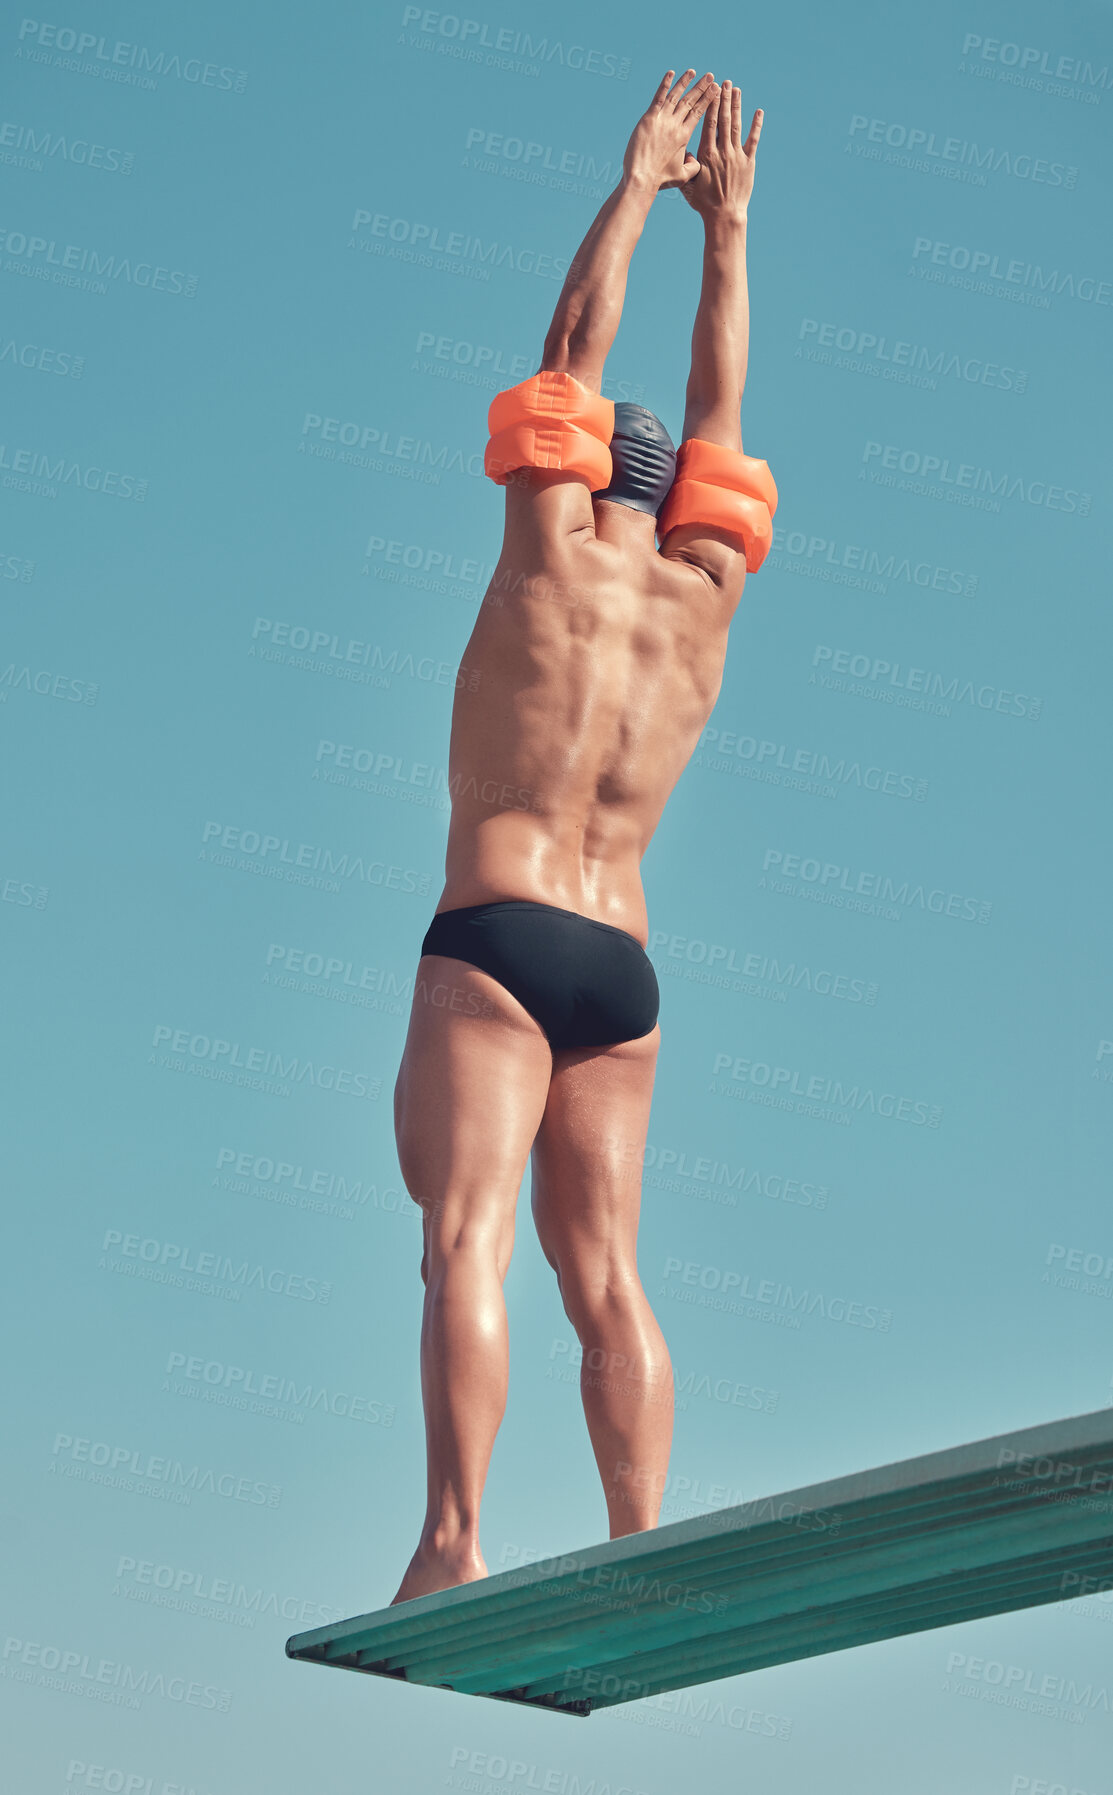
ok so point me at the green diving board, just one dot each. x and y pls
(1010, 1522)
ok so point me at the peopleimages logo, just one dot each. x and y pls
(836, 770)
(357, 439)
(248, 1172)
(1097, 1265)
(891, 357)
(74, 1672)
(1030, 59)
(962, 260)
(785, 1082)
(781, 1295)
(721, 956)
(467, 37)
(296, 856)
(39, 144)
(442, 563)
(916, 687)
(1019, 1685)
(483, 364)
(55, 469)
(242, 1381)
(181, 1261)
(423, 241)
(223, 1060)
(962, 152)
(45, 683)
(482, 357)
(119, 1465)
(855, 564)
(672, 1164)
(841, 885)
(527, 154)
(114, 57)
(42, 257)
(967, 477)
(327, 645)
(190, 1590)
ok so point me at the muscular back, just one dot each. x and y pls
(593, 666)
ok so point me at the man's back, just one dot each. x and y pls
(593, 666)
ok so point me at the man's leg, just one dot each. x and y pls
(587, 1162)
(469, 1097)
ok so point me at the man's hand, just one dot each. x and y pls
(655, 155)
(724, 177)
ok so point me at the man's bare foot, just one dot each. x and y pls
(430, 1570)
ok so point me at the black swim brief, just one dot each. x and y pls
(586, 983)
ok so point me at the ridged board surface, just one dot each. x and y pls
(1009, 1522)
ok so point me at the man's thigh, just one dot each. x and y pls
(587, 1155)
(471, 1088)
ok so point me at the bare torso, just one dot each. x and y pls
(592, 669)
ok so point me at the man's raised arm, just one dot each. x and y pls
(550, 435)
(719, 511)
(721, 336)
(589, 309)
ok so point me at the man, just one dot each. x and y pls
(599, 657)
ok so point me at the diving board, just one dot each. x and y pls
(1009, 1522)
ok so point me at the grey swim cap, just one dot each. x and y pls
(643, 460)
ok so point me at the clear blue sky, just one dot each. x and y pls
(250, 293)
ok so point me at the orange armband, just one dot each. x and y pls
(550, 421)
(725, 489)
